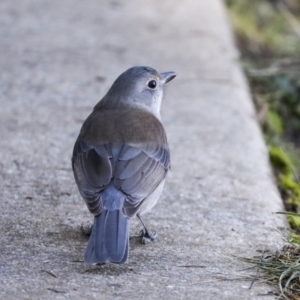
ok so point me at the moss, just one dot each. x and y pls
(288, 187)
(289, 184)
(295, 224)
(295, 238)
(274, 123)
(280, 162)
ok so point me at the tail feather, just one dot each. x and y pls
(116, 235)
(109, 240)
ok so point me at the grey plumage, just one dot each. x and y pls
(120, 160)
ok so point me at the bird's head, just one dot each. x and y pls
(142, 86)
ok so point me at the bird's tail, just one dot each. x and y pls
(109, 240)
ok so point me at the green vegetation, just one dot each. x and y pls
(261, 30)
(282, 268)
(268, 36)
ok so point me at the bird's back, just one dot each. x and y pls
(123, 124)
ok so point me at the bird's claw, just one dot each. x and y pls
(147, 236)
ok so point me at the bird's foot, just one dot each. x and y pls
(86, 229)
(147, 236)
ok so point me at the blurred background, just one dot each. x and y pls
(268, 36)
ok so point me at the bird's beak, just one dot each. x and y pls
(167, 76)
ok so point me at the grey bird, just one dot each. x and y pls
(120, 161)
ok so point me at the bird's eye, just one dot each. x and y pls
(152, 84)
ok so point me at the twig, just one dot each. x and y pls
(56, 291)
(50, 273)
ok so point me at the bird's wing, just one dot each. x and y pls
(92, 171)
(135, 170)
(138, 172)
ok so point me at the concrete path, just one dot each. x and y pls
(58, 58)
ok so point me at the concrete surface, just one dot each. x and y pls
(57, 60)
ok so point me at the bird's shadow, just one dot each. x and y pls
(107, 269)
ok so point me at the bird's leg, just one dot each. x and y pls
(86, 229)
(145, 234)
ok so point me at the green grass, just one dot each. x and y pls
(281, 268)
